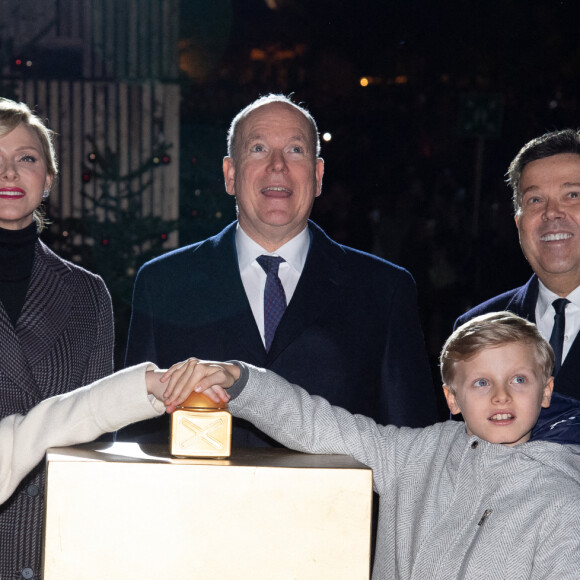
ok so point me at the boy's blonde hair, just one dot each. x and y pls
(489, 331)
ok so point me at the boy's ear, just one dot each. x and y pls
(547, 396)
(451, 400)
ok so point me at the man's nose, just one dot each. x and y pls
(278, 161)
(553, 210)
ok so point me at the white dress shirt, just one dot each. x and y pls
(545, 316)
(253, 276)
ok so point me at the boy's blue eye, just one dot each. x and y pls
(519, 379)
(481, 383)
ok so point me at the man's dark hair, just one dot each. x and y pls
(554, 143)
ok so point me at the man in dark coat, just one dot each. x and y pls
(350, 331)
(545, 180)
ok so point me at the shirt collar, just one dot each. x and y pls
(546, 297)
(294, 251)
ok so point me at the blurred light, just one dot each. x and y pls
(364, 82)
(166, 159)
(193, 160)
(18, 62)
(164, 236)
(257, 54)
(92, 156)
(29, 63)
(553, 104)
(326, 137)
(197, 192)
(86, 177)
(65, 234)
(401, 80)
(218, 214)
(105, 241)
(156, 160)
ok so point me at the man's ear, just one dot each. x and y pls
(229, 174)
(319, 173)
(547, 396)
(451, 400)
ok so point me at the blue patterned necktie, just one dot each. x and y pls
(557, 336)
(274, 296)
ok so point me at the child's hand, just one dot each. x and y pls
(209, 377)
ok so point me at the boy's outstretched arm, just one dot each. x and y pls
(303, 422)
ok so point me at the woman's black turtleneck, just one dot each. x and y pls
(16, 259)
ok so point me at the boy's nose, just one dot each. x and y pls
(501, 395)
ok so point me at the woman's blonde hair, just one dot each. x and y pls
(13, 114)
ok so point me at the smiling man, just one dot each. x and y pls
(545, 179)
(273, 290)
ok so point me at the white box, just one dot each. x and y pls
(131, 512)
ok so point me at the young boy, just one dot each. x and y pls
(130, 395)
(472, 500)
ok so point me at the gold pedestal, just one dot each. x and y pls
(125, 511)
(201, 433)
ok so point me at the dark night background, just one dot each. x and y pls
(414, 171)
(400, 176)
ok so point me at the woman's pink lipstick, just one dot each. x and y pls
(11, 193)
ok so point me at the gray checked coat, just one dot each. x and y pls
(62, 340)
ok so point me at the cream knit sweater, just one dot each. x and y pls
(75, 417)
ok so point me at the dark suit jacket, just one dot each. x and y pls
(559, 421)
(522, 301)
(63, 339)
(351, 332)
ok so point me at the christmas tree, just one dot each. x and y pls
(115, 237)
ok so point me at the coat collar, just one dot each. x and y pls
(319, 283)
(321, 279)
(44, 316)
(523, 302)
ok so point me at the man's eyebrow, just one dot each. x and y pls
(562, 186)
(253, 137)
(259, 136)
(530, 188)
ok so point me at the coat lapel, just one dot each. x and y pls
(523, 302)
(241, 327)
(47, 306)
(16, 367)
(319, 284)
